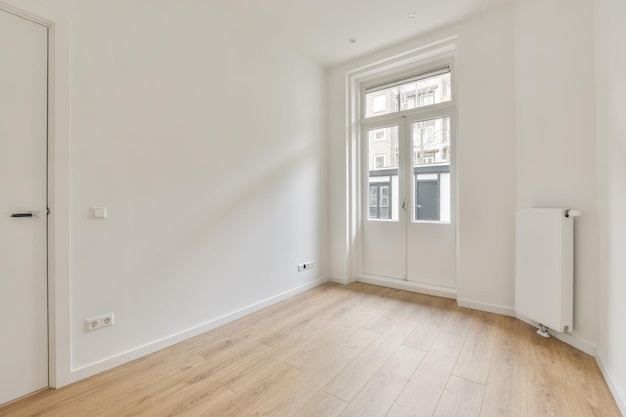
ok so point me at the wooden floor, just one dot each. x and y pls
(356, 350)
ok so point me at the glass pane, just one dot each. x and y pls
(374, 201)
(425, 92)
(431, 142)
(410, 95)
(431, 169)
(383, 173)
(383, 148)
(384, 197)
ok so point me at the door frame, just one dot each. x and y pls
(406, 63)
(59, 319)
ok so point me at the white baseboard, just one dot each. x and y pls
(340, 280)
(572, 340)
(408, 286)
(136, 353)
(489, 308)
(614, 386)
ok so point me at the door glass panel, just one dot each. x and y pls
(431, 169)
(409, 95)
(383, 173)
(425, 92)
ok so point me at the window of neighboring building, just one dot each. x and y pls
(380, 200)
(378, 103)
(379, 161)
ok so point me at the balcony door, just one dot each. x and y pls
(407, 143)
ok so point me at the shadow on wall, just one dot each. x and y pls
(234, 234)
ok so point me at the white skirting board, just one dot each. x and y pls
(408, 286)
(489, 308)
(340, 280)
(614, 386)
(544, 267)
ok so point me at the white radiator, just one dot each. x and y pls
(544, 266)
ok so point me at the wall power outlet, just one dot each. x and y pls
(99, 322)
(305, 266)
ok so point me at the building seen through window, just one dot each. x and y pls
(429, 144)
(409, 95)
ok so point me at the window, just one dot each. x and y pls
(413, 137)
(431, 168)
(431, 139)
(427, 98)
(383, 148)
(409, 102)
(380, 200)
(378, 104)
(426, 89)
(382, 167)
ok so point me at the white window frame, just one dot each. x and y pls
(428, 113)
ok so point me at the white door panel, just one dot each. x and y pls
(383, 231)
(23, 250)
(383, 244)
(431, 233)
(430, 254)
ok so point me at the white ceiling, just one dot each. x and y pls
(321, 28)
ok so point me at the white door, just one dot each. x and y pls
(407, 142)
(431, 233)
(384, 228)
(23, 218)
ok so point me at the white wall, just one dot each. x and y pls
(485, 266)
(611, 134)
(486, 160)
(205, 139)
(337, 173)
(555, 135)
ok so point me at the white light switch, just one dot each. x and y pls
(99, 212)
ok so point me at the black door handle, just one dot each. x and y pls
(27, 214)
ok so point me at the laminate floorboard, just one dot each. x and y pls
(342, 351)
